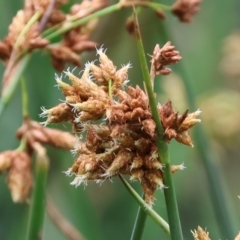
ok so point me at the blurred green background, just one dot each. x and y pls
(210, 47)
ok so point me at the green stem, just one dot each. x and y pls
(37, 207)
(84, 20)
(147, 209)
(139, 225)
(33, 19)
(170, 196)
(12, 82)
(225, 217)
(24, 97)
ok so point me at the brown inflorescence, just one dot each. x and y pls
(200, 234)
(186, 9)
(74, 41)
(164, 56)
(34, 132)
(125, 142)
(175, 125)
(19, 179)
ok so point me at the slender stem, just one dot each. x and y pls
(155, 6)
(12, 84)
(225, 217)
(33, 19)
(37, 207)
(47, 15)
(170, 196)
(139, 225)
(24, 97)
(56, 30)
(84, 20)
(146, 208)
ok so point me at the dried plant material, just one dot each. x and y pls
(23, 37)
(20, 176)
(34, 132)
(186, 9)
(175, 168)
(126, 141)
(200, 234)
(175, 125)
(162, 57)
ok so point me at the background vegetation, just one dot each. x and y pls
(108, 211)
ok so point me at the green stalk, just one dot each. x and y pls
(169, 192)
(37, 207)
(33, 19)
(12, 83)
(84, 20)
(225, 217)
(146, 209)
(24, 97)
(139, 225)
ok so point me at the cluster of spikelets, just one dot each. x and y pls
(73, 42)
(17, 163)
(125, 141)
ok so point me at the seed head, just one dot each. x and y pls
(200, 234)
(164, 56)
(186, 9)
(20, 176)
(175, 125)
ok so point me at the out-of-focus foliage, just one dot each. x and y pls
(107, 211)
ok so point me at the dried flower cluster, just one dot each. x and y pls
(125, 141)
(164, 56)
(186, 9)
(75, 41)
(19, 179)
(17, 163)
(200, 234)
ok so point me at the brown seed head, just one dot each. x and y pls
(20, 177)
(164, 56)
(200, 234)
(120, 161)
(15, 28)
(186, 9)
(60, 113)
(34, 132)
(177, 126)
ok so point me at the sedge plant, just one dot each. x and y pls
(117, 129)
